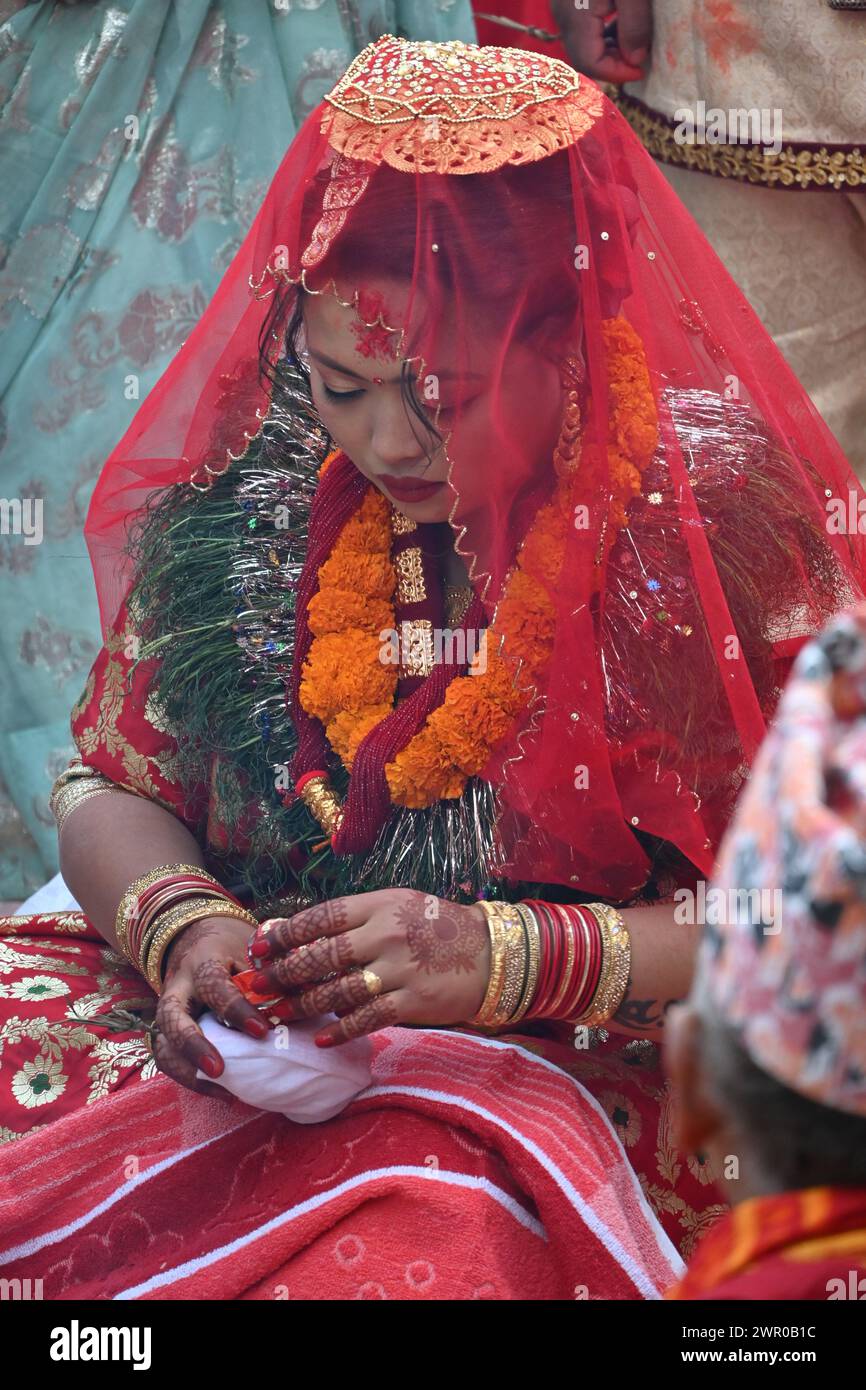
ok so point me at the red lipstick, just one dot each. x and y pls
(408, 489)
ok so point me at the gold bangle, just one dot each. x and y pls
(533, 938)
(130, 896)
(516, 956)
(495, 927)
(616, 964)
(151, 968)
(205, 900)
(179, 919)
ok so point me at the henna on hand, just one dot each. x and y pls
(378, 1013)
(308, 964)
(214, 987)
(180, 1050)
(198, 976)
(322, 919)
(347, 993)
(442, 936)
(183, 943)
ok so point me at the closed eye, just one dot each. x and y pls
(341, 395)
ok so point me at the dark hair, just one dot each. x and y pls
(522, 217)
(797, 1142)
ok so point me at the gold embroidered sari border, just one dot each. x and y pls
(798, 165)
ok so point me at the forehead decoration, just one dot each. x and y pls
(370, 326)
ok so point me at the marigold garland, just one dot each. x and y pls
(346, 685)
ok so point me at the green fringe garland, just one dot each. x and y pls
(214, 602)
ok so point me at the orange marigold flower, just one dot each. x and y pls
(421, 773)
(348, 728)
(542, 554)
(469, 727)
(333, 610)
(624, 477)
(528, 634)
(526, 592)
(368, 530)
(366, 574)
(496, 683)
(343, 671)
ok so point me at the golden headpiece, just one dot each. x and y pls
(455, 108)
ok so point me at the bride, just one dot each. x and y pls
(448, 578)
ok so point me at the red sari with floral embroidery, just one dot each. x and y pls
(54, 1068)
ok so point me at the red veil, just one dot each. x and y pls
(640, 485)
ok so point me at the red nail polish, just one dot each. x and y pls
(323, 1040)
(256, 1028)
(260, 949)
(210, 1065)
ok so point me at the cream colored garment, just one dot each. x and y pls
(800, 260)
(797, 55)
(799, 256)
(287, 1073)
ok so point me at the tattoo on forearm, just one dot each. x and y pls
(642, 1013)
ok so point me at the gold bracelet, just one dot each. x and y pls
(533, 938)
(516, 959)
(496, 928)
(77, 784)
(616, 964)
(170, 929)
(176, 920)
(130, 896)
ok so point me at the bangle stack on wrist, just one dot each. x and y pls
(156, 908)
(554, 961)
(508, 960)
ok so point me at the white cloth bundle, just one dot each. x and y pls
(286, 1072)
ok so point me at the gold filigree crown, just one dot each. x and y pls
(455, 108)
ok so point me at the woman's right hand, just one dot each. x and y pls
(198, 976)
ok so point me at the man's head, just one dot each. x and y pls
(760, 1136)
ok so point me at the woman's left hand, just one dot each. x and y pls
(429, 958)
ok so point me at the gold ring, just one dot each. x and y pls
(373, 983)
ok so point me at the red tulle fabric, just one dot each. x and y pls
(674, 605)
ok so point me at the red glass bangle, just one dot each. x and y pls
(573, 953)
(164, 893)
(553, 959)
(549, 937)
(581, 961)
(587, 994)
